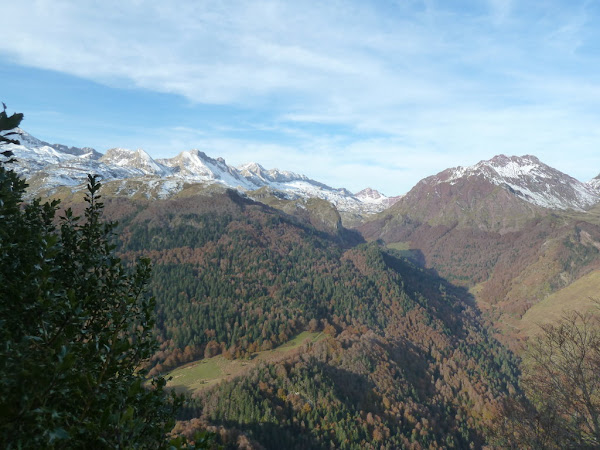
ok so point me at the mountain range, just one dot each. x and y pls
(480, 193)
(463, 222)
(50, 166)
(247, 261)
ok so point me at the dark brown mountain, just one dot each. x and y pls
(501, 194)
(512, 230)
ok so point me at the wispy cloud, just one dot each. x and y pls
(412, 84)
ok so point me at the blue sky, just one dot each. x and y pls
(351, 93)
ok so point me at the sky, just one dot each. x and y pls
(350, 93)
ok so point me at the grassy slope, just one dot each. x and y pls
(204, 373)
(591, 215)
(578, 296)
(519, 277)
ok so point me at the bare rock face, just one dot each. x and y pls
(375, 197)
(528, 178)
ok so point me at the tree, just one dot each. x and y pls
(75, 329)
(561, 380)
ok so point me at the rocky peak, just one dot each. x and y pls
(527, 178)
(56, 165)
(138, 159)
(254, 172)
(594, 183)
(369, 193)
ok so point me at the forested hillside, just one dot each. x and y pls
(508, 272)
(407, 361)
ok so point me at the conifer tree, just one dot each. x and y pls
(75, 328)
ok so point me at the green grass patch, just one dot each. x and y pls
(299, 340)
(400, 246)
(578, 296)
(403, 249)
(207, 372)
(198, 374)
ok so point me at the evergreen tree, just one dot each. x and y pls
(75, 328)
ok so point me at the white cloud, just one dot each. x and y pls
(438, 86)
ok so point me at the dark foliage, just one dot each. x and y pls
(75, 330)
(408, 362)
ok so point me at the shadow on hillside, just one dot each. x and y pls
(354, 390)
(178, 389)
(271, 435)
(446, 301)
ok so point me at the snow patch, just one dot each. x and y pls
(58, 165)
(529, 179)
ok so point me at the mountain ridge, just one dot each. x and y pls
(496, 194)
(50, 166)
(501, 194)
(526, 177)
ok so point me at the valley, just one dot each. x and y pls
(498, 237)
(297, 315)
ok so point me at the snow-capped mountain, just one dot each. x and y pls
(260, 176)
(47, 167)
(295, 185)
(374, 197)
(194, 165)
(594, 183)
(445, 196)
(500, 194)
(527, 178)
(137, 160)
(34, 155)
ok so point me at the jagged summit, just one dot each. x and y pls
(374, 197)
(256, 171)
(52, 166)
(594, 183)
(196, 166)
(26, 139)
(463, 189)
(30, 142)
(369, 193)
(137, 159)
(527, 178)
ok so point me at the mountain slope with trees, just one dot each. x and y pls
(75, 328)
(477, 232)
(407, 361)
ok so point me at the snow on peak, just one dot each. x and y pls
(517, 167)
(594, 184)
(255, 173)
(195, 165)
(25, 138)
(501, 166)
(138, 160)
(374, 197)
(528, 178)
(369, 194)
(58, 165)
(253, 167)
